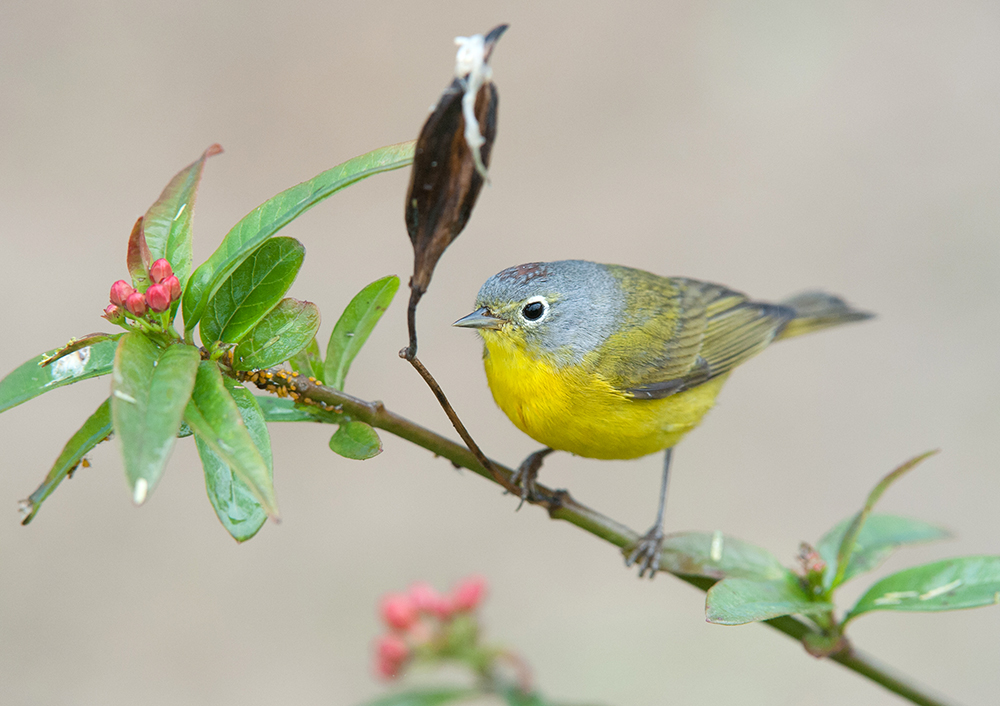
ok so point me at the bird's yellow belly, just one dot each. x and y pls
(573, 409)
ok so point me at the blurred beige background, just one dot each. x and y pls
(851, 146)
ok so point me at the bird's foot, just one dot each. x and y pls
(526, 474)
(646, 552)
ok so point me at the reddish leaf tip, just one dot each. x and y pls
(214, 150)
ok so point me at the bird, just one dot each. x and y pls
(611, 362)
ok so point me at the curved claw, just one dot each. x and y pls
(646, 553)
(526, 482)
(527, 473)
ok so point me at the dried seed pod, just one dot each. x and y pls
(445, 180)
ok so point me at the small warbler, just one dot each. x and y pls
(611, 362)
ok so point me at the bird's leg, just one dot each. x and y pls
(646, 552)
(527, 472)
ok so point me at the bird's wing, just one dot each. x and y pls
(712, 329)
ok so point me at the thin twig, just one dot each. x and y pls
(410, 352)
(559, 504)
(457, 423)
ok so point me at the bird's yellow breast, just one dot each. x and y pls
(573, 408)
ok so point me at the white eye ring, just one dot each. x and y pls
(541, 314)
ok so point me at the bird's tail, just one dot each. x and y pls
(818, 310)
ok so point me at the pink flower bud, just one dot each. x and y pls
(136, 303)
(443, 608)
(393, 648)
(386, 669)
(430, 601)
(174, 285)
(468, 593)
(398, 611)
(120, 291)
(392, 652)
(424, 597)
(112, 313)
(158, 297)
(159, 271)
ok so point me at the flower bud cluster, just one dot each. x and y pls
(425, 623)
(164, 290)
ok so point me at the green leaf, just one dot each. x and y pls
(149, 390)
(879, 537)
(281, 334)
(308, 361)
(717, 556)
(354, 327)
(425, 697)
(35, 377)
(94, 431)
(282, 409)
(964, 582)
(515, 697)
(234, 502)
(356, 440)
(167, 224)
(75, 344)
(851, 534)
(137, 258)
(214, 417)
(274, 214)
(254, 288)
(737, 601)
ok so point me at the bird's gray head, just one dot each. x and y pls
(561, 309)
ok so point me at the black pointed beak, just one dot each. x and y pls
(480, 318)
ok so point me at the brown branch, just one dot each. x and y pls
(559, 504)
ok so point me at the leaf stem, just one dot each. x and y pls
(867, 666)
(559, 504)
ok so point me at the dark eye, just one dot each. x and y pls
(533, 310)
